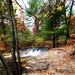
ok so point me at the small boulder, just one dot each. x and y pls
(41, 65)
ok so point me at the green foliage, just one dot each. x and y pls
(47, 32)
(39, 39)
(60, 12)
(61, 38)
(27, 37)
(34, 6)
(61, 30)
(54, 19)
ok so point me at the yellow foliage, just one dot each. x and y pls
(58, 5)
(60, 8)
(39, 22)
(15, 7)
(45, 15)
(54, 0)
(18, 21)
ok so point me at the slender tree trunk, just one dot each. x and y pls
(17, 48)
(68, 25)
(12, 37)
(17, 42)
(37, 27)
(54, 38)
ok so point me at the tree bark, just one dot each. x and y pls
(17, 42)
(68, 25)
(36, 27)
(15, 70)
(54, 35)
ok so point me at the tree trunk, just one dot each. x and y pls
(54, 38)
(66, 25)
(17, 42)
(37, 27)
(69, 20)
(15, 70)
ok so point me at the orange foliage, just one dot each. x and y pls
(72, 36)
(21, 28)
(71, 42)
(72, 21)
(72, 18)
(2, 47)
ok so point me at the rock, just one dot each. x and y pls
(30, 63)
(28, 70)
(42, 56)
(42, 65)
(65, 70)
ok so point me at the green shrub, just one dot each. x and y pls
(39, 39)
(25, 37)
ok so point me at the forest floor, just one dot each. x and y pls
(55, 61)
